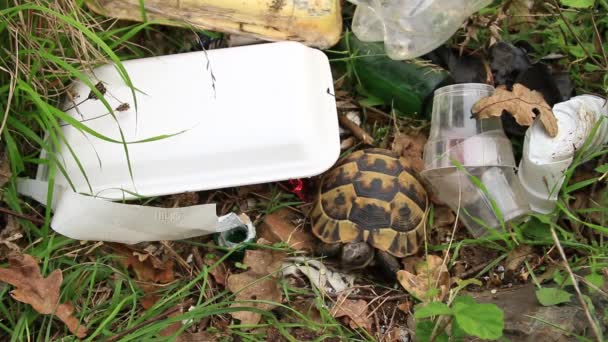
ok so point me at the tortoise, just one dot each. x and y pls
(370, 207)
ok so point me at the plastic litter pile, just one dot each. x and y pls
(244, 92)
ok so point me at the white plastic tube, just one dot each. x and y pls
(545, 159)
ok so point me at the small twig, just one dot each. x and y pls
(440, 326)
(377, 306)
(391, 323)
(594, 327)
(11, 87)
(595, 184)
(32, 219)
(475, 269)
(356, 130)
(178, 257)
(364, 297)
(377, 321)
(198, 258)
(598, 36)
(160, 317)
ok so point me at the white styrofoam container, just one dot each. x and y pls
(269, 115)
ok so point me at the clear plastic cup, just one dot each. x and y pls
(469, 163)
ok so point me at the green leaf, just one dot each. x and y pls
(458, 335)
(424, 329)
(467, 300)
(576, 51)
(595, 279)
(536, 230)
(371, 101)
(591, 67)
(464, 283)
(549, 296)
(578, 3)
(240, 265)
(602, 168)
(562, 279)
(432, 309)
(482, 320)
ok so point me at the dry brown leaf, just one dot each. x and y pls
(150, 272)
(41, 293)
(307, 308)
(279, 227)
(432, 274)
(259, 282)
(411, 148)
(524, 104)
(406, 306)
(520, 15)
(396, 334)
(219, 272)
(201, 336)
(516, 257)
(11, 232)
(443, 216)
(5, 170)
(355, 310)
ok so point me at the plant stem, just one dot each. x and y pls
(596, 330)
(32, 219)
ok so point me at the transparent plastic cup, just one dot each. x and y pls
(469, 163)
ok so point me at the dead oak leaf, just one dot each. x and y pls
(41, 293)
(520, 15)
(516, 257)
(279, 227)
(11, 232)
(443, 216)
(5, 170)
(411, 147)
(431, 280)
(522, 103)
(149, 270)
(356, 311)
(258, 283)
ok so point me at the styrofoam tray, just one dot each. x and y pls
(269, 115)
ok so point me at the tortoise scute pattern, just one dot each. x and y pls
(372, 195)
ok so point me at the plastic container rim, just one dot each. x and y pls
(463, 87)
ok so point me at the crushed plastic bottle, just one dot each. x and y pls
(546, 159)
(411, 28)
(315, 23)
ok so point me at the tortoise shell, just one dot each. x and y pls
(373, 196)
